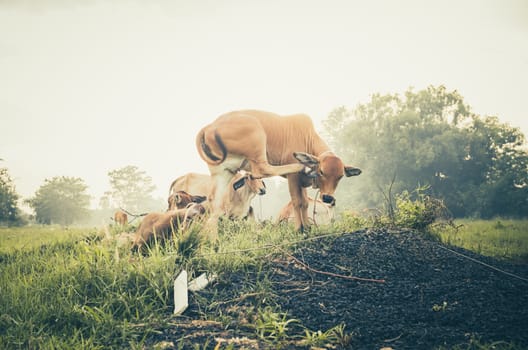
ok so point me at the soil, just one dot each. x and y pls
(430, 297)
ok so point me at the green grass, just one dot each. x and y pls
(503, 239)
(30, 237)
(71, 288)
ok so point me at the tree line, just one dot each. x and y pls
(431, 139)
(65, 200)
(428, 139)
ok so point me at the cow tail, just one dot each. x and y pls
(205, 150)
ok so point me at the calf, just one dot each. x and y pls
(161, 225)
(271, 145)
(120, 218)
(235, 201)
(181, 199)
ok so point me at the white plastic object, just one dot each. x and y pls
(181, 299)
(201, 282)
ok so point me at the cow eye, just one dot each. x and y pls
(321, 173)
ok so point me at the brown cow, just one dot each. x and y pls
(272, 145)
(181, 199)
(121, 218)
(198, 184)
(321, 214)
(235, 203)
(160, 225)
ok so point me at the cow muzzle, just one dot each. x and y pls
(328, 199)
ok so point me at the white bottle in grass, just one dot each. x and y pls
(181, 299)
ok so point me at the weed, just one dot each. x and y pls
(442, 307)
(335, 335)
(272, 326)
(474, 343)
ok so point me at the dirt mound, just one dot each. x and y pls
(430, 295)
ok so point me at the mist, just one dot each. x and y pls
(93, 86)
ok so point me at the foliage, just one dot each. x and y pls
(273, 326)
(61, 200)
(9, 211)
(131, 188)
(475, 164)
(418, 211)
(335, 335)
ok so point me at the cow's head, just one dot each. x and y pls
(326, 171)
(192, 210)
(256, 186)
(181, 199)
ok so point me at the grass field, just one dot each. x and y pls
(71, 288)
(30, 237)
(503, 239)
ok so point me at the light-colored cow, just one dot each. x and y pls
(319, 213)
(271, 145)
(121, 218)
(181, 199)
(235, 202)
(160, 225)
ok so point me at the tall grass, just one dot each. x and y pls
(65, 288)
(81, 292)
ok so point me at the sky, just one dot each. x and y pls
(90, 86)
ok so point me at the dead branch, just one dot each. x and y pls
(354, 278)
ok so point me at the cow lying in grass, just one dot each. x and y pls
(160, 226)
(181, 199)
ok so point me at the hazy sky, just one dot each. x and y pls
(99, 85)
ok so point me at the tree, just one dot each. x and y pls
(61, 200)
(504, 189)
(9, 212)
(131, 189)
(432, 138)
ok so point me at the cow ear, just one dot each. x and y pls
(306, 159)
(198, 199)
(351, 171)
(177, 199)
(239, 183)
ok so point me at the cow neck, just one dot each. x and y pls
(318, 146)
(328, 152)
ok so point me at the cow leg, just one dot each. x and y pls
(220, 178)
(299, 199)
(263, 169)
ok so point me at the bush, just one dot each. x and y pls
(416, 210)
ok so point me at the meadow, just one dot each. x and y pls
(500, 238)
(63, 288)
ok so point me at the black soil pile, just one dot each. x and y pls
(417, 294)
